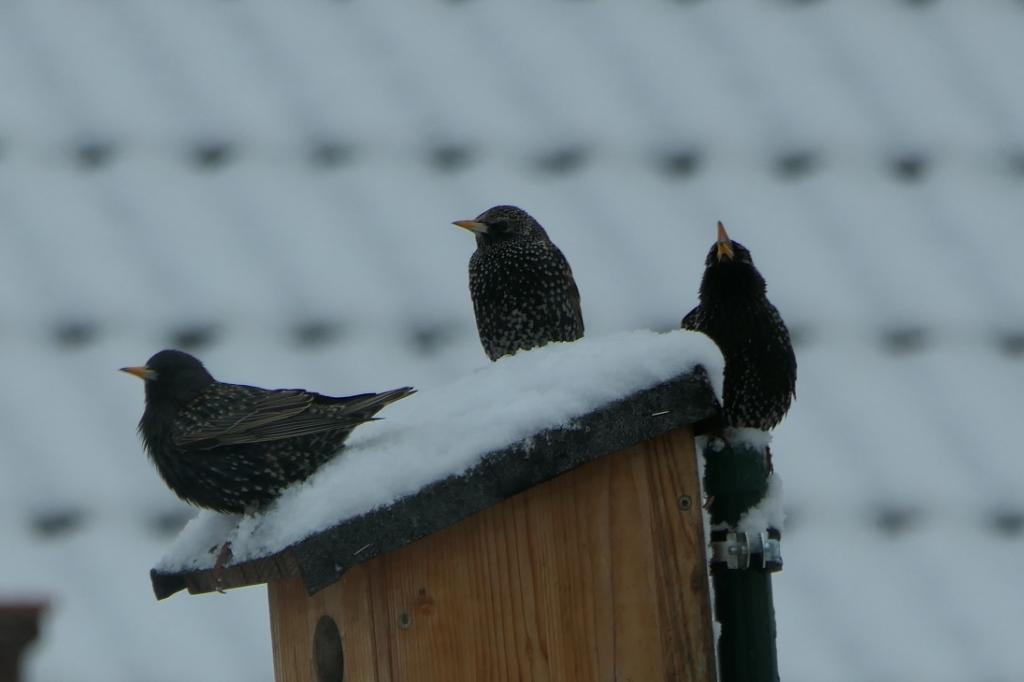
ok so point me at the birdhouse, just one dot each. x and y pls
(572, 550)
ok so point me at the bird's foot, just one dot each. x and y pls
(223, 559)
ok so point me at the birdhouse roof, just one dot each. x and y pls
(453, 450)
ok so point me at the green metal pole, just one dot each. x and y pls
(736, 479)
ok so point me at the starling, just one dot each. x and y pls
(522, 287)
(734, 311)
(235, 448)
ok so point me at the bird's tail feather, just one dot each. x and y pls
(368, 404)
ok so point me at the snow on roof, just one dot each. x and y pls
(446, 430)
(271, 187)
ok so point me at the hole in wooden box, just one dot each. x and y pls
(327, 653)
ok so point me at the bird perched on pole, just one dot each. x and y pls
(235, 448)
(522, 287)
(734, 311)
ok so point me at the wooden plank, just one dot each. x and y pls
(242, 574)
(686, 620)
(294, 616)
(596, 575)
(638, 649)
(348, 602)
(290, 636)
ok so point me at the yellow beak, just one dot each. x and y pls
(472, 226)
(144, 373)
(724, 243)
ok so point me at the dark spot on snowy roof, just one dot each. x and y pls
(895, 520)
(170, 522)
(562, 160)
(451, 156)
(194, 336)
(681, 162)
(795, 163)
(316, 332)
(1015, 159)
(428, 339)
(74, 333)
(54, 523)
(910, 166)
(1012, 342)
(212, 155)
(1008, 522)
(904, 339)
(94, 154)
(330, 153)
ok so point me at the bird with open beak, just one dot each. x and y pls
(734, 311)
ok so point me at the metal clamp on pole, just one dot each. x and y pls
(739, 550)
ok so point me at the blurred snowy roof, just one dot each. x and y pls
(271, 186)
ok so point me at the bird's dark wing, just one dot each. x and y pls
(274, 415)
(692, 320)
(574, 295)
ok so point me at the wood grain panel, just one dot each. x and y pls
(598, 575)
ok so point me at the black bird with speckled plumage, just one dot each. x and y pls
(522, 287)
(734, 311)
(235, 448)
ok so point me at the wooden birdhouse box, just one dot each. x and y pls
(573, 552)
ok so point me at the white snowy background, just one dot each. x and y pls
(271, 185)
